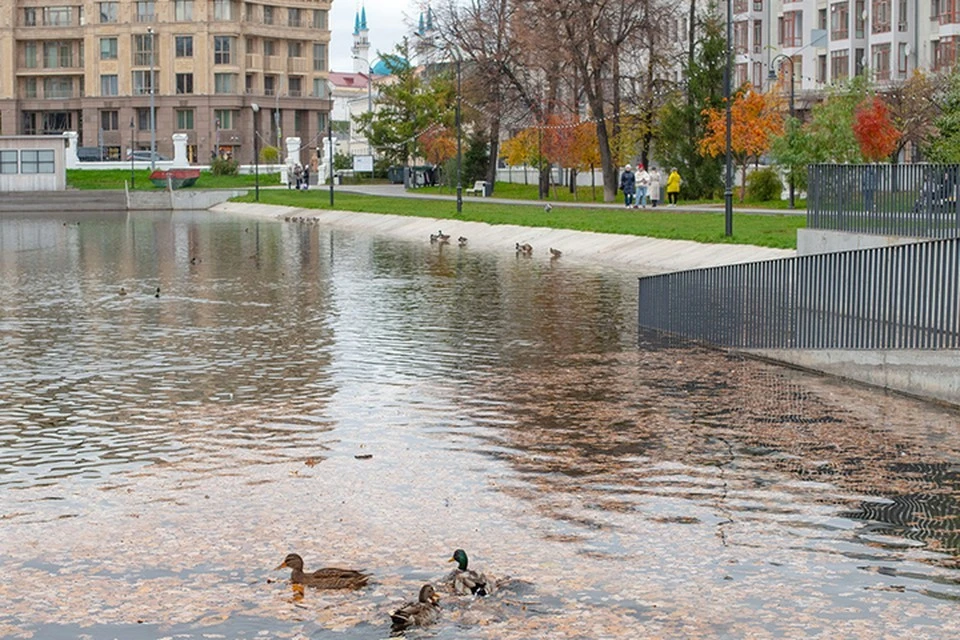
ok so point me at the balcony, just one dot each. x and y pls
(297, 65)
(273, 63)
(254, 61)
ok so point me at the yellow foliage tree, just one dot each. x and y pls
(757, 120)
(523, 148)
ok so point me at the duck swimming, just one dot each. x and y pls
(464, 581)
(327, 578)
(424, 611)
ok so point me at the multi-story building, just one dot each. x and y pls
(90, 66)
(829, 41)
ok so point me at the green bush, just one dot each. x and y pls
(764, 185)
(269, 155)
(224, 167)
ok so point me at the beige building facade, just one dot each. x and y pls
(90, 66)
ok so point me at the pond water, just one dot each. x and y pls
(376, 404)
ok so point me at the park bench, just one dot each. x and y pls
(479, 189)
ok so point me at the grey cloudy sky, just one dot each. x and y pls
(388, 20)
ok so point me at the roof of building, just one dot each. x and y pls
(349, 80)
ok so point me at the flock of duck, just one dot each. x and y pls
(525, 249)
(424, 611)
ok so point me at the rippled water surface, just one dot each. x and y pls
(373, 403)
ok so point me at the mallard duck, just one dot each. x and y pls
(443, 237)
(328, 578)
(123, 291)
(464, 581)
(462, 241)
(524, 249)
(555, 253)
(157, 294)
(425, 610)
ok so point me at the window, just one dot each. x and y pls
(224, 83)
(880, 16)
(8, 161)
(319, 19)
(184, 46)
(143, 49)
(881, 61)
(222, 48)
(109, 12)
(29, 87)
(294, 49)
(57, 55)
(30, 55)
(267, 14)
(183, 10)
(859, 22)
(902, 19)
(293, 17)
(184, 119)
(839, 65)
(251, 45)
(319, 88)
(740, 35)
(758, 5)
(822, 68)
(146, 11)
(141, 82)
(109, 85)
(295, 85)
(248, 11)
(110, 120)
(859, 62)
(269, 85)
(319, 57)
(902, 61)
(321, 121)
(840, 21)
(184, 83)
(57, 16)
(108, 48)
(143, 118)
(30, 17)
(57, 87)
(37, 161)
(757, 37)
(223, 9)
(791, 29)
(739, 6)
(269, 47)
(225, 118)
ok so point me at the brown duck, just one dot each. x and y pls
(327, 578)
(416, 614)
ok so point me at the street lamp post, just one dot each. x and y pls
(133, 174)
(773, 76)
(727, 80)
(276, 114)
(153, 115)
(256, 152)
(459, 141)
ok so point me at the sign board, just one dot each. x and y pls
(363, 163)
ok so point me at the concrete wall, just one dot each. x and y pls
(188, 199)
(933, 375)
(815, 241)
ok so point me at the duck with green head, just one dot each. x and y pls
(327, 578)
(464, 581)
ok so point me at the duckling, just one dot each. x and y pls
(415, 614)
(433, 238)
(157, 294)
(463, 581)
(328, 578)
(443, 237)
(123, 291)
(462, 241)
(555, 253)
(524, 249)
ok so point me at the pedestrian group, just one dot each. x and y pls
(637, 186)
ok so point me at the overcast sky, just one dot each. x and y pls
(388, 21)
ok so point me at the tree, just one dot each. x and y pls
(439, 145)
(830, 129)
(681, 121)
(914, 109)
(522, 149)
(756, 119)
(946, 147)
(874, 130)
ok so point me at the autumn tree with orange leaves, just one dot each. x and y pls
(874, 130)
(439, 145)
(757, 119)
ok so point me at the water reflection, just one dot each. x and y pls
(376, 403)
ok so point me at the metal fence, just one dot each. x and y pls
(916, 200)
(899, 297)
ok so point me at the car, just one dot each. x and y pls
(91, 154)
(144, 155)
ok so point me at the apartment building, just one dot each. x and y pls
(90, 66)
(816, 43)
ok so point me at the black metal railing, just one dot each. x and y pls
(915, 200)
(899, 297)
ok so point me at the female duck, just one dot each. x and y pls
(328, 578)
(424, 611)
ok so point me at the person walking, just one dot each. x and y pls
(643, 185)
(673, 186)
(628, 184)
(654, 186)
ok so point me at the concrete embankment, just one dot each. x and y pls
(933, 375)
(646, 255)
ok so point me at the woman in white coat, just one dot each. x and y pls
(654, 186)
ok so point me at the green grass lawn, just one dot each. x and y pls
(756, 229)
(114, 179)
(515, 191)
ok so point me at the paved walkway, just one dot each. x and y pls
(399, 191)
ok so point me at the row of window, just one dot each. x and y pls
(223, 83)
(224, 50)
(27, 161)
(146, 11)
(224, 119)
